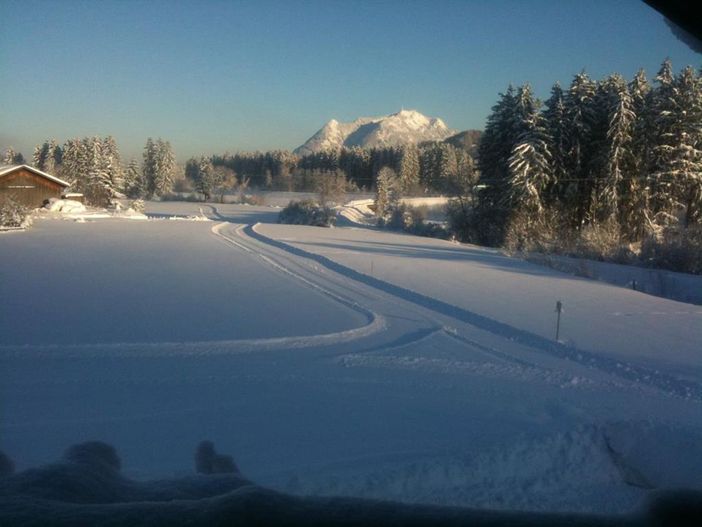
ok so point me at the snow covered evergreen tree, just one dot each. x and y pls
(636, 200)
(158, 167)
(13, 158)
(47, 156)
(557, 136)
(529, 168)
(150, 167)
(166, 166)
(387, 195)
(665, 205)
(92, 167)
(680, 151)
(494, 152)
(73, 167)
(202, 174)
(98, 186)
(409, 169)
(133, 181)
(581, 120)
(617, 157)
(112, 165)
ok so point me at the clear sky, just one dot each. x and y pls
(215, 76)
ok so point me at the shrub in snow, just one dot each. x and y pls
(253, 199)
(412, 220)
(7, 467)
(208, 461)
(89, 474)
(602, 242)
(677, 250)
(307, 212)
(13, 213)
(94, 453)
(137, 205)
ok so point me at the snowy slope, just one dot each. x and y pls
(405, 126)
(355, 379)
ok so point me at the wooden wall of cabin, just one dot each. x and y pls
(28, 188)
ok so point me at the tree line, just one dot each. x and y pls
(608, 156)
(425, 168)
(93, 167)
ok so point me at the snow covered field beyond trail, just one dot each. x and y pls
(612, 321)
(344, 361)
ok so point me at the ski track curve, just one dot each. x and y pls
(630, 372)
(375, 324)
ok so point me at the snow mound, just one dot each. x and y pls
(131, 214)
(88, 491)
(614, 465)
(358, 212)
(67, 206)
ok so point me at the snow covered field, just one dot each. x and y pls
(344, 361)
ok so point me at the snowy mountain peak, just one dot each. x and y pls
(403, 127)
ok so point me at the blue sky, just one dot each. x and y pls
(217, 76)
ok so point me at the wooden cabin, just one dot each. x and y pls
(29, 186)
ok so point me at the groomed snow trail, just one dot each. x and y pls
(619, 368)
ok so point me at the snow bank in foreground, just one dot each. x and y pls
(614, 465)
(90, 490)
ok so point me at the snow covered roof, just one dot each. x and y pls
(6, 169)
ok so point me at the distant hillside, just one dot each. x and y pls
(468, 140)
(403, 127)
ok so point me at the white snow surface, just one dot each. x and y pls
(346, 361)
(403, 127)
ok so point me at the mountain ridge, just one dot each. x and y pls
(405, 126)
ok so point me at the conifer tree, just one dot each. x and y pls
(684, 159)
(557, 136)
(73, 167)
(47, 156)
(618, 167)
(111, 164)
(634, 208)
(663, 198)
(581, 120)
(202, 174)
(133, 180)
(409, 169)
(529, 163)
(13, 158)
(495, 149)
(150, 167)
(165, 168)
(387, 196)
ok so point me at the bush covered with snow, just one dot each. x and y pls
(307, 212)
(137, 205)
(13, 213)
(413, 220)
(65, 205)
(676, 250)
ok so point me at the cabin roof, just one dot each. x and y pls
(7, 169)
